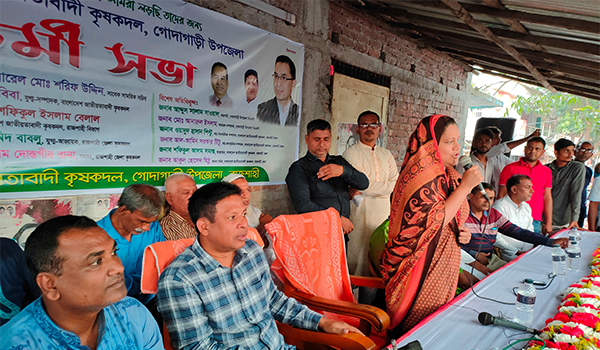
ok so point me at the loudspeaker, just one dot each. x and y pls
(506, 125)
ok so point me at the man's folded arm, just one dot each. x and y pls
(353, 177)
(299, 190)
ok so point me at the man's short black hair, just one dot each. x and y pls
(203, 203)
(515, 180)
(367, 113)
(222, 65)
(563, 143)
(290, 63)
(250, 72)
(483, 131)
(537, 139)
(42, 245)
(496, 130)
(486, 186)
(582, 142)
(317, 124)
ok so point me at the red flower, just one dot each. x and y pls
(560, 345)
(562, 317)
(585, 318)
(574, 331)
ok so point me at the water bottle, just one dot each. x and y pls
(574, 254)
(573, 235)
(559, 261)
(525, 302)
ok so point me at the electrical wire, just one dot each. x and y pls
(526, 339)
(473, 267)
(549, 283)
(466, 307)
(552, 276)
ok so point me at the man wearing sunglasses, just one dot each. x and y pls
(583, 153)
(281, 109)
(379, 166)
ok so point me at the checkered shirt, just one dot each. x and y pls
(209, 306)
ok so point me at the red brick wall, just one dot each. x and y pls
(435, 86)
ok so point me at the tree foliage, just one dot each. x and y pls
(562, 115)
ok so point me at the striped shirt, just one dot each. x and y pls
(209, 306)
(175, 227)
(494, 223)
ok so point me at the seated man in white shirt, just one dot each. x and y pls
(256, 218)
(515, 208)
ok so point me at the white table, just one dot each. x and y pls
(455, 325)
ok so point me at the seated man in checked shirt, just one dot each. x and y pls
(218, 293)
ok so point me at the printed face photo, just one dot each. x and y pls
(251, 86)
(219, 82)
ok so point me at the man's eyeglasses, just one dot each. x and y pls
(281, 78)
(371, 126)
(585, 150)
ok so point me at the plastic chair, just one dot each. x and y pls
(159, 255)
(311, 261)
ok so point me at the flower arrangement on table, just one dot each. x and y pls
(576, 326)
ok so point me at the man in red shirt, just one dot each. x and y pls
(541, 177)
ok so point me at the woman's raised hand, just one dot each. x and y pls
(472, 177)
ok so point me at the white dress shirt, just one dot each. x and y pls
(519, 215)
(491, 171)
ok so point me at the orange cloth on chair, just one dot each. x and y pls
(158, 256)
(255, 236)
(310, 251)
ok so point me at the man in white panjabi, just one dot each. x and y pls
(379, 166)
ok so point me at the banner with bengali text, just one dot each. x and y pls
(100, 94)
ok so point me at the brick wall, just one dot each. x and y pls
(423, 82)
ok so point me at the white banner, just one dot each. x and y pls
(101, 94)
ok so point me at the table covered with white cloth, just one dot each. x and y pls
(455, 326)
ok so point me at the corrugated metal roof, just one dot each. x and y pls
(560, 38)
(546, 30)
(572, 9)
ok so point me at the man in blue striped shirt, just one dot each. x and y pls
(485, 222)
(218, 293)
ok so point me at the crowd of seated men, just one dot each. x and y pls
(77, 284)
(527, 200)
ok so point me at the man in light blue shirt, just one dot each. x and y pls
(83, 303)
(133, 226)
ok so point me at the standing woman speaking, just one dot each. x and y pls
(421, 261)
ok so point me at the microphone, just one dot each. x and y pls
(487, 319)
(465, 162)
(414, 345)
